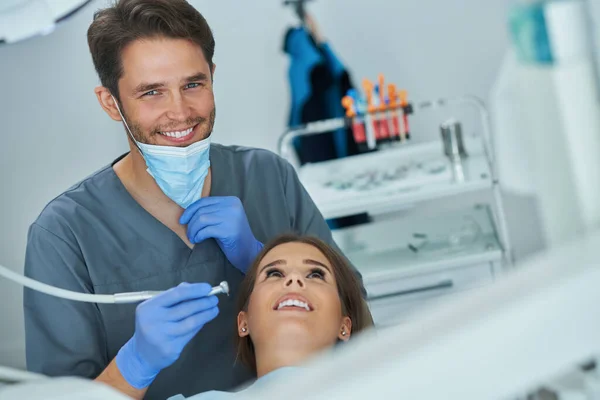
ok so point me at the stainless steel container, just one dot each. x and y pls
(452, 139)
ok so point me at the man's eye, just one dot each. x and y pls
(192, 85)
(151, 93)
(274, 273)
(317, 273)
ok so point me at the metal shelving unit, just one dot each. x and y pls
(400, 179)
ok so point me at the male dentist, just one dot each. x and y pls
(175, 208)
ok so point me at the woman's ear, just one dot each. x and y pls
(345, 329)
(242, 321)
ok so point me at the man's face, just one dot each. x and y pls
(166, 92)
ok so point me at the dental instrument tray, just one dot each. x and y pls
(393, 179)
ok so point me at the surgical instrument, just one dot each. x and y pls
(223, 288)
(117, 298)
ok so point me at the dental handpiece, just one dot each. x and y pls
(117, 298)
(135, 297)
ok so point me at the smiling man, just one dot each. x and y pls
(175, 208)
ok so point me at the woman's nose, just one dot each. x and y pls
(294, 280)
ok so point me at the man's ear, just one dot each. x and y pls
(212, 72)
(107, 102)
(345, 329)
(242, 321)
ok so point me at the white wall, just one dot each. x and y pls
(54, 133)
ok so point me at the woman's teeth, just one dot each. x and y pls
(179, 134)
(293, 303)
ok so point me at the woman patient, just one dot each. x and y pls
(298, 298)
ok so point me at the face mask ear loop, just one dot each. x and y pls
(127, 126)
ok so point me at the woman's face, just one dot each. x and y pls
(295, 299)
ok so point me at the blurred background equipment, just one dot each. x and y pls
(23, 19)
(546, 109)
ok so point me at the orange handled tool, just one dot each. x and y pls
(404, 103)
(368, 87)
(382, 105)
(348, 104)
(393, 96)
(394, 104)
(403, 98)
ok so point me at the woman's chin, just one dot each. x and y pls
(298, 334)
(292, 326)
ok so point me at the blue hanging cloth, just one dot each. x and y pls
(318, 81)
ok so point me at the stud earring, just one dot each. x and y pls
(343, 333)
(244, 329)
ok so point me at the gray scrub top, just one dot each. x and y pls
(95, 238)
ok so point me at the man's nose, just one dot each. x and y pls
(178, 109)
(294, 279)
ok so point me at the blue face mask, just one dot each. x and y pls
(179, 171)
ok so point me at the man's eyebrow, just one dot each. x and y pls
(200, 76)
(272, 264)
(146, 87)
(317, 263)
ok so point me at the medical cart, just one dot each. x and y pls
(415, 250)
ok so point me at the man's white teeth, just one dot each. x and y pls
(293, 303)
(180, 134)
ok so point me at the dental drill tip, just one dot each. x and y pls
(225, 286)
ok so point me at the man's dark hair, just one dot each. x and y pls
(125, 21)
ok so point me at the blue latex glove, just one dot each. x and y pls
(224, 219)
(163, 327)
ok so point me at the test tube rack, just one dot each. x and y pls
(377, 118)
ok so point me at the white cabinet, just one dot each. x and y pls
(411, 261)
(404, 296)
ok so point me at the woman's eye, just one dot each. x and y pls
(317, 273)
(274, 273)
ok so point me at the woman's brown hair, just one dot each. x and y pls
(348, 284)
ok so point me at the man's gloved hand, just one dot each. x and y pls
(163, 327)
(224, 219)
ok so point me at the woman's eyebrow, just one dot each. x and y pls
(272, 264)
(317, 263)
